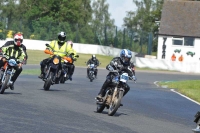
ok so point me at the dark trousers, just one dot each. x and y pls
(18, 71)
(43, 63)
(71, 69)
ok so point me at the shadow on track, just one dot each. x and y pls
(117, 114)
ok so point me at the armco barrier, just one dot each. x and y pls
(189, 67)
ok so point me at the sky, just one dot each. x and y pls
(118, 9)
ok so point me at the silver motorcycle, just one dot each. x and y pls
(114, 94)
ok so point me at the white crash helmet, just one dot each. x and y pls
(18, 39)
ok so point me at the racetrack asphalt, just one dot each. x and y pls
(71, 108)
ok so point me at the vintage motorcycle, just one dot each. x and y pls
(64, 76)
(114, 94)
(6, 73)
(52, 71)
(197, 121)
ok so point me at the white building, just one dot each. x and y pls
(180, 25)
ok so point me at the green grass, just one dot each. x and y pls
(35, 56)
(190, 88)
(31, 71)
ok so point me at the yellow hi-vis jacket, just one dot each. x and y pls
(62, 51)
(10, 51)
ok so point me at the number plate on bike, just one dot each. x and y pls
(91, 65)
(124, 77)
(12, 62)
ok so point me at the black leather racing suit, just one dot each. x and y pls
(118, 65)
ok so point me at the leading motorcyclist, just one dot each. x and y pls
(14, 50)
(121, 63)
(59, 47)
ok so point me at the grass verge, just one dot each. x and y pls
(190, 88)
(35, 56)
(31, 71)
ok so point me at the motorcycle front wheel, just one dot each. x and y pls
(47, 83)
(115, 104)
(91, 77)
(4, 84)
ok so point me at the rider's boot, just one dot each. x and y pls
(41, 76)
(98, 97)
(70, 77)
(101, 94)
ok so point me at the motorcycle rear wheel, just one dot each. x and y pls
(62, 80)
(100, 108)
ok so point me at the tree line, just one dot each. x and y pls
(84, 21)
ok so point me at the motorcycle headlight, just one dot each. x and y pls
(55, 60)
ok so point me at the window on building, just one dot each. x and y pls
(188, 41)
(183, 41)
(177, 41)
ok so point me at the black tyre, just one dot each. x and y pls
(62, 80)
(4, 84)
(100, 108)
(47, 83)
(91, 77)
(115, 104)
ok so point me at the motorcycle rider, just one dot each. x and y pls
(14, 50)
(121, 63)
(8, 43)
(61, 48)
(94, 61)
(74, 56)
